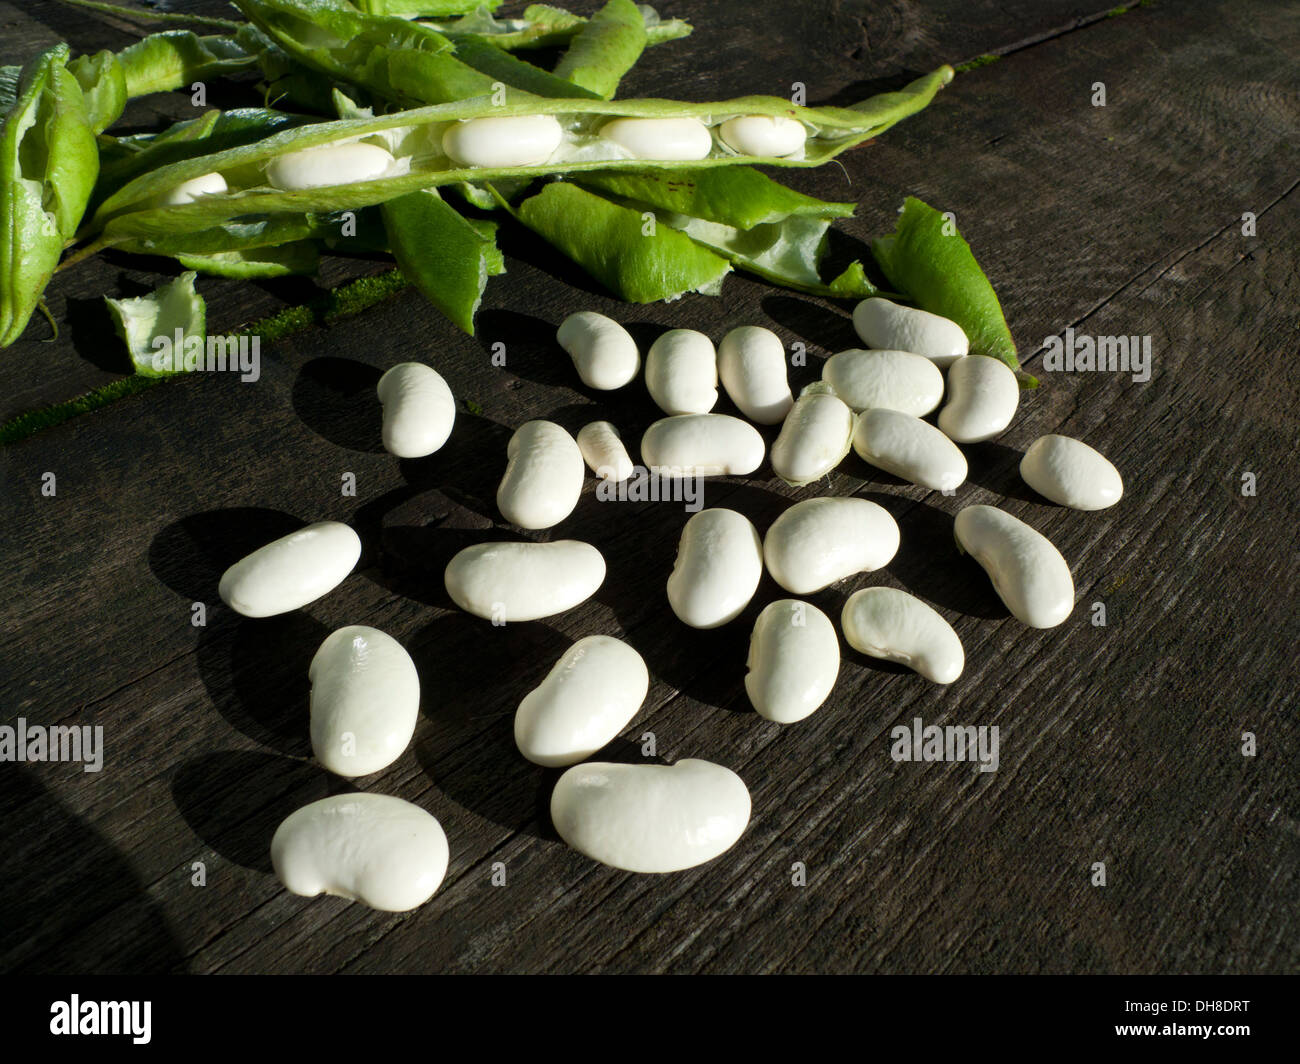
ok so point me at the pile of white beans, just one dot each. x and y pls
(365, 691)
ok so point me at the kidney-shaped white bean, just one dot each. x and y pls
(603, 451)
(681, 372)
(504, 140)
(794, 657)
(1026, 570)
(885, 324)
(909, 448)
(814, 438)
(884, 622)
(650, 818)
(702, 445)
(819, 541)
(982, 398)
(543, 478)
(329, 164)
(718, 567)
(585, 701)
(504, 582)
(751, 366)
(603, 352)
(371, 848)
(662, 139)
(893, 380)
(1071, 473)
(772, 136)
(419, 410)
(292, 571)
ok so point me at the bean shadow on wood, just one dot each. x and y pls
(996, 467)
(531, 351)
(234, 800)
(89, 328)
(482, 673)
(336, 399)
(860, 90)
(190, 554)
(811, 321)
(69, 878)
(521, 243)
(927, 563)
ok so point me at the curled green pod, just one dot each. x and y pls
(48, 165)
(417, 138)
(605, 48)
(546, 26)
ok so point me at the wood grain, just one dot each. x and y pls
(1119, 744)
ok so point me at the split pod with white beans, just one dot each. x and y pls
(794, 658)
(718, 567)
(702, 445)
(815, 436)
(371, 848)
(365, 698)
(419, 410)
(543, 478)
(1027, 571)
(819, 541)
(503, 140)
(650, 818)
(884, 622)
(330, 164)
(522, 581)
(590, 695)
(292, 571)
(884, 324)
(603, 352)
(1069, 472)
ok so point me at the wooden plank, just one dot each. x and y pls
(1118, 744)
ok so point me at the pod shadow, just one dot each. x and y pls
(234, 800)
(811, 321)
(996, 467)
(336, 399)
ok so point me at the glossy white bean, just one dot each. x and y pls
(603, 451)
(703, 445)
(419, 410)
(982, 398)
(773, 136)
(505, 582)
(718, 567)
(884, 622)
(681, 372)
(885, 324)
(1026, 570)
(329, 164)
(292, 571)
(909, 448)
(603, 352)
(189, 191)
(590, 695)
(365, 698)
(663, 139)
(814, 438)
(504, 140)
(819, 541)
(889, 380)
(543, 478)
(650, 818)
(372, 848)
(794, 658)
(1071, 473)
(752, 368)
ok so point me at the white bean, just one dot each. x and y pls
(650, 818)
(505, 582)
(419, 410)
(664, 139)
(189, 191)
(603, 352)
(602, 449)
(718, 567)
(371, 848)
(882, 323)
(814, 438)
(819, 541)
(543, 478)
(909, 448)
(590, 695)
(769, 136)
(1071, 473)
(365, 697)
(751, 365)
(681, 372)
(703, 445)
(292, 571)
(888, 380)
(506, 140)
(982, 398)
(329, 164)
(891, 624)
(1027, 571)
(794, 658)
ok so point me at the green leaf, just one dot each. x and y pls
(612, 244)
(927, 260)
(445, 256)
(605, 48)
(151, 325)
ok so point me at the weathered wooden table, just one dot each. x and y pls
(1120, 744)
